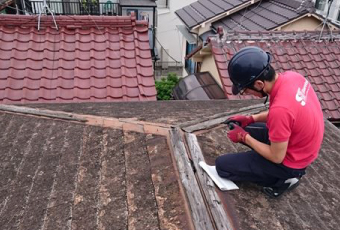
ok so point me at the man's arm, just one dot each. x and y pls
(261, 117)
(275, 152)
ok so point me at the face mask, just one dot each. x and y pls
(260, 91)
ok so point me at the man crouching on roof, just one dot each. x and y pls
(284, 140)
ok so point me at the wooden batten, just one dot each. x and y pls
(199, 212)
(220, 217)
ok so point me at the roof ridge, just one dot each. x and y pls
(278, 35)
(96, 120)
(71, 22)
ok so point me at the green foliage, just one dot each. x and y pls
(89, 3)
(165, 85)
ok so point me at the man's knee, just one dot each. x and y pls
(222, 168)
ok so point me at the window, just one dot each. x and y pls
(198, 86)
(189, 64)
(320, 4)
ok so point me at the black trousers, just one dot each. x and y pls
(252, 167)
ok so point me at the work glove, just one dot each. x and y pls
(237, 134)
(243, 121)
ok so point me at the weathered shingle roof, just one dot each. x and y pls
(312, 205)
(319, 61)
(90, 58)
(104, 166)
(265, 15)
(202, 10)
(102, 169)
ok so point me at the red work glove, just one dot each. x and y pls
(238, 134)
(243, 120)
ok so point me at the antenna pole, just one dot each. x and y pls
(44, 10)
(326, 18)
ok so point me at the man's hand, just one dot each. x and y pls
(237, 134)
(242, 120)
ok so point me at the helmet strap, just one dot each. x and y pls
(260, 91)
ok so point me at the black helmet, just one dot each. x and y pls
(247, 65)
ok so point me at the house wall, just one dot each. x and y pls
(334, 11)
(168, 36)
(204, 29)
(208, 64)
(142, 13)
(305, 23)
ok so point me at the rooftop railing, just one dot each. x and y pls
(76, 7)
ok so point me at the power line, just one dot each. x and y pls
(326, 18)
(166, 51)
(245, 12)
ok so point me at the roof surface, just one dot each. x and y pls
(90, 58)
(312, 205)
(300, 52)
(202, 10)
(59, 173)
(265, 15)
(64, 175)
(168, 112)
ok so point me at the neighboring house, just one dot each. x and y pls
(89, 58)
(204, 17)
(322, 7)
(273, 15)
(170, 39)
(131, 165)
(313, 55)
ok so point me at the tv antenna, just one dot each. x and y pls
(325, 20)
(45, 8)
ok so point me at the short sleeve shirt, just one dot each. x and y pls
(295, 115)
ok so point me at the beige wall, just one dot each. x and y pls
(208, 64)
(205, 28)
(305, 23)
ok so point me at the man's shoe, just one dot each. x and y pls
(289, 184)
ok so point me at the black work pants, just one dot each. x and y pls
(252, 167)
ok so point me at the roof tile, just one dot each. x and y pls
(83, 63)
(263, 16)
(202, 10)
(318, 61)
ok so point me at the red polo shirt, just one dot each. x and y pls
(295, 116)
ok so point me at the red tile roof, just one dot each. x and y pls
(319, 61)
(90, 58)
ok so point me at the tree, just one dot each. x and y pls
(165, 85)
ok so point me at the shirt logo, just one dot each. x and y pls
(301, 94)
